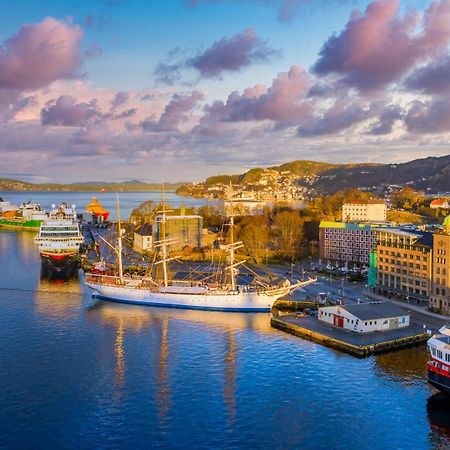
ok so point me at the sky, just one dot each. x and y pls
(178, 90)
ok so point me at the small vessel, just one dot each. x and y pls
(96, 211)
(438, 373)
(28, 216)
(220, 290)
(60, 238)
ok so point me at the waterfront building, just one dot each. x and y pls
(440, 293)
(365, 317)
(143, 239)
(184, 230)
(346, 242)
(439, 203)
(371, 210)
(404, 263)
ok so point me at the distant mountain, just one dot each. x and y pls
(430, 174)
(133, 185)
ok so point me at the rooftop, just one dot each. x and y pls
(144, 230)
(375, 310)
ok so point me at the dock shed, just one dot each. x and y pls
(365, 317)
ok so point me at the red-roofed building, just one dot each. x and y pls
(439, 203)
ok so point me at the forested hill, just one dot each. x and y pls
(95, 186)
(430, 174)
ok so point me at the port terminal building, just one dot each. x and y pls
(365, 317)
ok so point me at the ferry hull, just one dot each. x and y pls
(63, 265)
(18, 224)
(239, 302)
(438, 381)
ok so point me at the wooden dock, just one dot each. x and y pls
(356, 344)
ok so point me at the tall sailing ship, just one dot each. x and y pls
(220, 290)
(60, 238)
(438, 372)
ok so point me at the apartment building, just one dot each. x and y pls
(346, 242)
(371, 210)
(404, 263)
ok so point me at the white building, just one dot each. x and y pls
(365, 317)
(143, 239)
(372, 210)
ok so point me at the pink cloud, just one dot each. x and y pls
(39, 54)
(379, 47)
(175, 113)
(282, 102)
(65, 111)
(228, 54)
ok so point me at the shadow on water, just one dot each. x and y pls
(438, 414)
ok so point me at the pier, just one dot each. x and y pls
(356, 344)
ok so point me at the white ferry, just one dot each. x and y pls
(439, 366)
(60, 238)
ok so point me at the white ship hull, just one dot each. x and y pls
(192, 298)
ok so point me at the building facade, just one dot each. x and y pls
(143, 239)
(365, 317)
(184, 230)
(404, 264)
(372, 210)
(346, 242)
(440, 293)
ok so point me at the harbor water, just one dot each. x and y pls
(79, 373)
(128, 200)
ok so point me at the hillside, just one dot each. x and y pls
(310, 178)
(133, 185)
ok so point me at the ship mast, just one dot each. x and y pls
(119, 241)
(232, 246)
(163, 240)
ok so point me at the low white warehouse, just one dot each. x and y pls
(365, 317)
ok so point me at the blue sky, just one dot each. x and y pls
(243, 91)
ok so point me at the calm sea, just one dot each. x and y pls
(82, 374)
(128, 200)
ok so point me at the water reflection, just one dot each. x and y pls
(229, 392)
(406, 366)
(438, 413)
(137, 317)
(25, 245)
(58, 298)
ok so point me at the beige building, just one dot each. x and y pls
(404, 263)
(440, 295)
(185, 230)
(372, 210)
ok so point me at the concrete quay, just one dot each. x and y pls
(356, 344)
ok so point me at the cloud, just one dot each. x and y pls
(343, 114)
(65, 111)
(431, 79)
(224, 56)
(282, 102)
(385, 122)
(120, 98)
(232, 54)
(175, 113)
(287, 9)
(429, 117)
(94, 51)
(39, 54)
(378, 47)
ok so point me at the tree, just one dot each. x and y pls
(289, 229)
(254, 233)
